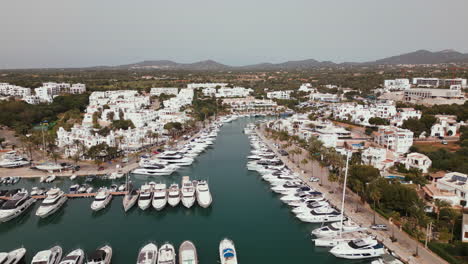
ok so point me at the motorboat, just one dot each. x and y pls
(173, 157)
(188, 192)
(102, 255)
(173, 198)
(37, 191)
(203, 193)
(359, 249)
(122, 188)
(156, 170)
(13, 163)
(321, 215)
(307, 206)
(49, 256)
(55, 199)
(148, 254)
(227, 252)
(336, 240)
(89, 189)
(310, 196)
(73, 177)
(288, 187)
(188, 253)
(336, 228)
(116, 175)
(146, 195)
(166, 254)
(50, 178)
(159, 196)
(13, 257)
(14, 207)
(102, 199)
(82, 188)
(77, 256)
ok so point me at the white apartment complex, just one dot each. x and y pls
(397, 84)
(284, 95)
(164, 90)
(394, 138)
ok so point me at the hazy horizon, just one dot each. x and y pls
(57, 34)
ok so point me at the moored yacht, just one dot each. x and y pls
(159, 196)
(188, 253)
(173, 198)
(227, 252)
(359, 249)
(204, 198)
(15, 206)
(166, 254)
(77, 256)
(175, 158)
(102, 255)
(148, 254)
(156, 169)
(336, 228)
(188, 192)
(52, 203)
(13, 257)
(320, 215)
(146, 193)
(50, 256)
(336, 240)
(102, 199)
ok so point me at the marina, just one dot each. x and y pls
(241, 204)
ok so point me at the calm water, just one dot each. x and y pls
(244, 209)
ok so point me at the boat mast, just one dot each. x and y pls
(344, 194)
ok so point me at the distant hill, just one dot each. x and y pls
(417, 57)
(425, 57)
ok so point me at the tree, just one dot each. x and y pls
(122, 124)
(439, 205)
(378, 121)
(110, 116)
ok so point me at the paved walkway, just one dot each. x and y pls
(405, 247)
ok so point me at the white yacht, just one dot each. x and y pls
(359, 249)
(146, 194)
(288, 187)
(307, 206)
(13, 257)
(166, 254)
(101, 256)
(102, 199)
(309, 196)
(49, 167)
(336, 228)
(173, 198)
(320, 215)
(148, 254)
(156, 169)
(188, 192)
(336, 240)
(159, 196)
(188, 253)
(16, 206)
(227, 252)
(173, 157)
(54, 200)
(77, 256)
(204, 198)
(50, 256)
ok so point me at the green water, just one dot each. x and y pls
(244, 209)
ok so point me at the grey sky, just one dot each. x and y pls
(58, 33)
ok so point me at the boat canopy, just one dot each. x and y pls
(228, 253)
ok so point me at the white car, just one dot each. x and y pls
(314, 179)
(379, 227)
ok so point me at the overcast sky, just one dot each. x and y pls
(59, 33)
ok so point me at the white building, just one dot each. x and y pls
(394, 138)
(14, 90)
(455, 183)
(233, 92)
(397, 84)
(418, 161)
(78, 88)
(284, 95)
(164, 90)
(446, 126)
(250, 104)
(405, 114)
(307, 88)
(374, 157)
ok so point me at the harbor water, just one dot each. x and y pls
(244, 210)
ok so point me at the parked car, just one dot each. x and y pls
(283, 152)
(314, 179)
(379, 227)
(125, 160)
(444, 142)
(101, 168)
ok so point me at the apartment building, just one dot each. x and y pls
(396, 139)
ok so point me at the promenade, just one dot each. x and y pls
(404, 247)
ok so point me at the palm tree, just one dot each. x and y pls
(440, 204)
(375, 196)
(55, 155)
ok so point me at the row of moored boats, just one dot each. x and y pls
(149, 254)
(345, 238)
